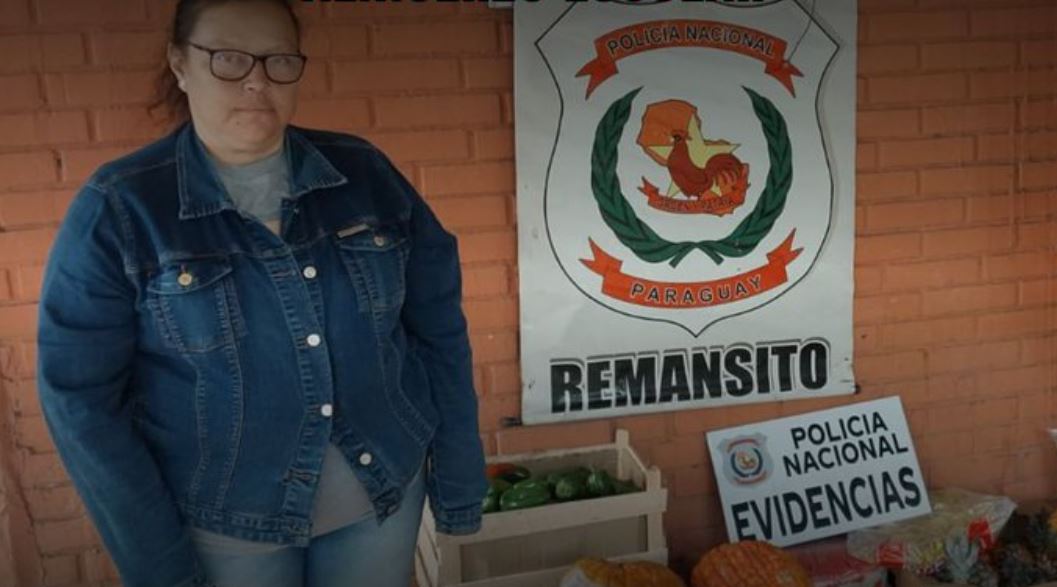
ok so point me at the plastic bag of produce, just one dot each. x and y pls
(918, 544)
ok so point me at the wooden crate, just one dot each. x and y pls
(534, 547)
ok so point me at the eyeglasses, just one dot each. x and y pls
(233, 65)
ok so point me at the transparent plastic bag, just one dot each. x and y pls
(917, 545)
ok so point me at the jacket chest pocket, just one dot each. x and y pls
(375, 259)
(195, 305)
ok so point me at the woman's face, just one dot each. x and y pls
(239, 121)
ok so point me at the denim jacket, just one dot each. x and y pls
(193, 365)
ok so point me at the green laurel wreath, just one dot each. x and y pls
(643, 240)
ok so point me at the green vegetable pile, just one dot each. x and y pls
(514, 487)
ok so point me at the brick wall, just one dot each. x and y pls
(955, 290)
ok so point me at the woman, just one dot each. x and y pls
(252, 356)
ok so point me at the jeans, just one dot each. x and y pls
(362, 554)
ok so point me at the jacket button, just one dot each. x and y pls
(366, 458)
(309, 272)
(185, 279)
(313, 340)
(380, 240)
(327, 410)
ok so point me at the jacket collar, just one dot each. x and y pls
(202, 193)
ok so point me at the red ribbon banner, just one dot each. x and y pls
(664, 34)
(701, 294)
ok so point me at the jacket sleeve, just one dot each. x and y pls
(86, 346)
(433, 317)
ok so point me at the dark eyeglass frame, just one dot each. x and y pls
(262, 58)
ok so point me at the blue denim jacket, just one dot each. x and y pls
(193, 365)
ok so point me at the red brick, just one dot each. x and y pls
(1018, 265)
(68, 536)
(1040, 145)
(62, 51)
(1037, 292)
(6, 291)
(78, 164)
(496, 347)
(887, 58)
(42, 471)
(27, 169)
(23, 396)
(931, 274)
(969, 299)
(1038, 114)
(97, 12)
(122, 124)
(1038, 53)
(32, 433)
(128, 48)
(437, 111)
(493, 409)
(423, 146)
(108, 88)
(927, 332)
(872, 124)
(477, 212)
(1036, 351)
(18, 321)
(926, 152)
(1038, 205)
(60, 570)
(23, 209)
(485, 281)
(915, 89)
(695, 481)
(971, 118)
(348, 41)
(888, 185)
(991, 439)
(890, 367)
(98, 567)
(503, 379)
(25, 246)
(980, 473)
(55, 503)
(21, 92)
(1012, 21)
(434, 38)
(996, 148)
(945, 445)
(971, 358)
(989, 209)
(487, 246)
(1013, 84)
(43, 128)
(865, 157)
(363, 77)
(969, 56)
(552, 436)
(1033, 464)
(1034, 235)
(315, 81)
(916, 26)
(375, 11)
(21, 53)
(1035, 176)
(489, 315)
(488, 73)
(887, 308)
(966, 241)
(907, 215)
(1014, 324)
(867, 279)
(495, 143)
(344, 114)
(871, 249)
(966, 180)
(1034, 406)
(14, 13)
(469, 179)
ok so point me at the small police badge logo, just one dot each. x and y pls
(746, 460)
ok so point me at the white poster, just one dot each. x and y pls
(685, 203)
(815, 475)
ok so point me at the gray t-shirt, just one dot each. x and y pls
(258, 188)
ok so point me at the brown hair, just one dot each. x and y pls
(168, 96)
